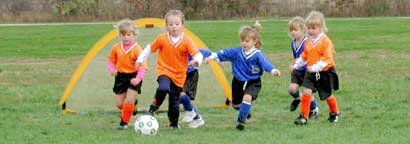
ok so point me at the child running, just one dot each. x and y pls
(297, 31)
(188, 94)
(248, 64)
(321, 75)
(121, 64)
(173, 49)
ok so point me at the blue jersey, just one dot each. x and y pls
(297, 51)
(245, 67)
(204, 52)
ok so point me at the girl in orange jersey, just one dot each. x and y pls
(173, 48)
(121, 64)
(321, 75)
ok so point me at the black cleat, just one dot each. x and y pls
(300, 120)
(122, 126)
(294, 105)
(249, 116)
(152, 109)
(135, 108)
(240, 126)
(333, 117)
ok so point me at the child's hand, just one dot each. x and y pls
(193, 63)
(207, 60)
(114, 73)
(135, 81)
(275, 72)
(137, 65)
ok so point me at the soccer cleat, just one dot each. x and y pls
(222, 106)
(122, 126)
(313, 114)
(300, 120)
(174, 127)
(240, 126)
(333, 117)
(152, 109)
(294, 105)
(197, 123)
(249, 116)
(188, 116)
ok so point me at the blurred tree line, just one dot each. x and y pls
(113, 10)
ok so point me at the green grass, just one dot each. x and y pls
(372, 60)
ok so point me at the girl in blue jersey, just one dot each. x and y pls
(248, 64)
(297, 31)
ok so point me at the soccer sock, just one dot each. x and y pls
(295, 95)
(186, 102)
(305, 105)
(244, 111)
(332, 103)
(313, 104)
(127, 112)
(197, 116)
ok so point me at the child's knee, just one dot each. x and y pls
(247, 98)
(307, 92)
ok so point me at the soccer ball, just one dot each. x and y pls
(146, 125)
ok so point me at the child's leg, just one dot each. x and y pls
(173, 105)
(332, 103)
(305, 103)
(294, 92)
(119, 100)
(163, 88)
(189, 110)
(245, 108)
(128, 106)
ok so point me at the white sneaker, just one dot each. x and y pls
(197, 123)
(188, 116)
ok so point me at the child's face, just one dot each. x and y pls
(174, 25)
(314, 31)
(127, 37)
(248, 43)
(296, 33)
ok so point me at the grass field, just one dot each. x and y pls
(373, 59)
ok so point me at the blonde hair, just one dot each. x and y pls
(177, 13)
(297, 23)
(251, 32)
(316, 19)
(126, 25)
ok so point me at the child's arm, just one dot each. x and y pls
(222, 55)
(143, 56)
(112, 58)
(267, 66)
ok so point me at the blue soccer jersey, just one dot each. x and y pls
(204, 52)
(245, 67)
(297, 51)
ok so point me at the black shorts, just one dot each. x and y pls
(240, 88)
(191, 83)
(327, 82)
(297, 77)
(123, 82)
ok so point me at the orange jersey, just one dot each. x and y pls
(320, 50)
(125, 60)
(173, 57)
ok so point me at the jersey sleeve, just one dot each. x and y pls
(112, 57)
(156, 44)
(265, 64)
(226, 54)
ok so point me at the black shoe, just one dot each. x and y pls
(152, 109)
(294, 105)
(249, 116)
(240, 126)
(122, 126)
(333, 117)
(300, 120)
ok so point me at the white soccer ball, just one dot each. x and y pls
(146, 125)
